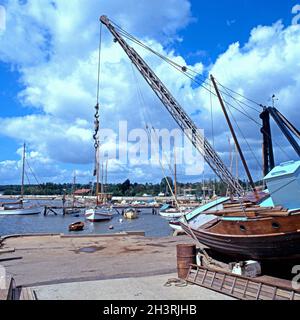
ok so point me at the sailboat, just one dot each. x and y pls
(73, 209)
(102, 212)
(18, 208)
(169, 211)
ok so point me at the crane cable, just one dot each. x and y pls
(183, 69)
(244, 137)
(202, 248)
(97, 107)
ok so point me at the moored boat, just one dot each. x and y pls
(71, 211)
(77, 226)
(21, 211)
(98, 214)
(18, 208)
(131, 214)
(196, 217)
(169, 212)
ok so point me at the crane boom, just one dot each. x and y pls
(177, 112)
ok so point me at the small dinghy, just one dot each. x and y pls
(131, 214)
(77, 226)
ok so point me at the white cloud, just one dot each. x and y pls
(267, 64)
(55, 50)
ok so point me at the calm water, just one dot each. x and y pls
(153, 225)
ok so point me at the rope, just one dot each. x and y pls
(177, 282)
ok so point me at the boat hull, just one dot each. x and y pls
(175, 225)
(131, 215)
(21, 212)
(77, 226)
(97, 216)
(274, 246)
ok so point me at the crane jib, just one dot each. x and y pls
(177, 112)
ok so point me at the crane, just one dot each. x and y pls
(177, 112)
(287, 129)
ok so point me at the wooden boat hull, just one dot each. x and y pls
(273, 246)
(77, 226)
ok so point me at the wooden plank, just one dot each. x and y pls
(240, 287)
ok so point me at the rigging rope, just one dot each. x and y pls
(245, 139)
(184, 69)
(97, 107)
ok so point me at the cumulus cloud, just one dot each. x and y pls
(53, 45)
(267, 64)
(54, 48)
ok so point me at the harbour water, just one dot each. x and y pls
(152, 225)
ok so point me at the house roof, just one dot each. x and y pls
(82, 191)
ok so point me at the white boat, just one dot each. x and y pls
(168, 212)
(196, 217)
(98, 214)
(19, 211)
(175, 225)
(17, 208)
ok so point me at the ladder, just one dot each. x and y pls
(238, 287)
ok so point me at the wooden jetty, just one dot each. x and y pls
(54, 209)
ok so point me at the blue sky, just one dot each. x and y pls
(219, 23)
(47, 73)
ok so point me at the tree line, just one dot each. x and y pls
(127, 188)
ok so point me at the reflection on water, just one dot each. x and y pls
(153, 225)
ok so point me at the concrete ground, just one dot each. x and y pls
(144, 288)
(80, 263)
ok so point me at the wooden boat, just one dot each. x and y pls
(256, 233)
(131, 214)
(98, 214)
(77, 226)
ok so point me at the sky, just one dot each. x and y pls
(48, 79)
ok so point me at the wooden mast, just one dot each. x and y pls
(74, 188)
(23, 172)
(97, 174)
(234, 135)
(175, 175)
